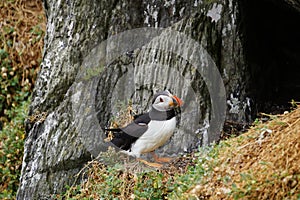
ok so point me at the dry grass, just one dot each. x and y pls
(20, 21)
(22, 28)
(263, 163)
(124, 117)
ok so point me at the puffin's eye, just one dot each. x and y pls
(161, 99)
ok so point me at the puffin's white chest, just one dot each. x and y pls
(158, 133)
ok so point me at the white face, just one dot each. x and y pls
(163, 103)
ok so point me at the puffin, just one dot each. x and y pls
(150, 130)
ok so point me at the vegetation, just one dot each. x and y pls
(22, 25)
(260, 164)
(11, 151)
(21, 42)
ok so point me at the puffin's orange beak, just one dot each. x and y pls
(176, 101)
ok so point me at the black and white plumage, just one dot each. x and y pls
(151, 130)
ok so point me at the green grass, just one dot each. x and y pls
(21, 42)
(11, 151)
(114, 182)
(237, 168)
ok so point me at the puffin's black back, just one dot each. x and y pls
(123, 140)
(124, 137)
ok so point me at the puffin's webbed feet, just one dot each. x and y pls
(151, 164)
(160, 159)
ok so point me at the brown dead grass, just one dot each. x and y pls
(263, 163)
(124, 117)
(22, 16)
(22, 28)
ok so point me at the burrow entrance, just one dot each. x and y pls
(272, 42)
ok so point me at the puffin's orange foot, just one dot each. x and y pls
(151, 164)
(163, 159)
(160, 159)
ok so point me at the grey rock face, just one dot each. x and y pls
(293, 4)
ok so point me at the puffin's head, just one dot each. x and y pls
(163, 101)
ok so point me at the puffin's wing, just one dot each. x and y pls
(121, 139)
(135, 129)
(124, 137)
(138, 127)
